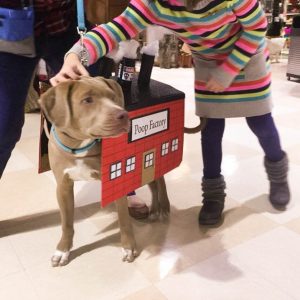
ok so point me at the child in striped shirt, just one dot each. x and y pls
(232, 78)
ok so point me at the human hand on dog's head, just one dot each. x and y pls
(71, 69)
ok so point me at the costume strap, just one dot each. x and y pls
(81, 29)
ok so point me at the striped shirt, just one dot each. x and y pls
(212, 31)
(51, 16)
(228, 33)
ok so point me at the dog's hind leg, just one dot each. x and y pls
(65, 197)
(126, 230)
(160, 201)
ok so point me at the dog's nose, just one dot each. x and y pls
(122, 115)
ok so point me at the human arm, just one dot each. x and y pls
(254, 25)
(104, 38)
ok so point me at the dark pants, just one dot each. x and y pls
(15, 77)
(211, 139)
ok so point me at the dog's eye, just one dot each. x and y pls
(87, 100)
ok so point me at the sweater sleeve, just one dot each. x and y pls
(103, 38)
(254, 25)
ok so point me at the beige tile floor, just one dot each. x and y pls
(255, 254)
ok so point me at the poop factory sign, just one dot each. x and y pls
(148, 125)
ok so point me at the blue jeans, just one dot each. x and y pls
(15, 78)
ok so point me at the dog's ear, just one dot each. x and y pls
(116, 88)
(56, 104)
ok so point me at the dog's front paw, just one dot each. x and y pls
(129, 254)
(60, 258)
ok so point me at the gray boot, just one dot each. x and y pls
(213, 200)
(279, 189)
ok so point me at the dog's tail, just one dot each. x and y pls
(198, 128)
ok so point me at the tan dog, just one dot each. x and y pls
(81, 112)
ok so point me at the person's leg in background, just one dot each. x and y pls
(15, 77)
(137, 207)
(213, 184)
(275, 161)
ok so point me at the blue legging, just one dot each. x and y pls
(211, 139)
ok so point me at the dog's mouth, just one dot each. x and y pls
(111, 132)
(110, 129)
(118, 130)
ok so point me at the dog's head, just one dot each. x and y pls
(86, 108)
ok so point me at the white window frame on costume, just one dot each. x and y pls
(165, 148)
(116, 170)
(149, 160)
(130, 164)
(175, 145)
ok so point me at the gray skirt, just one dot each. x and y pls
(248, 95)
